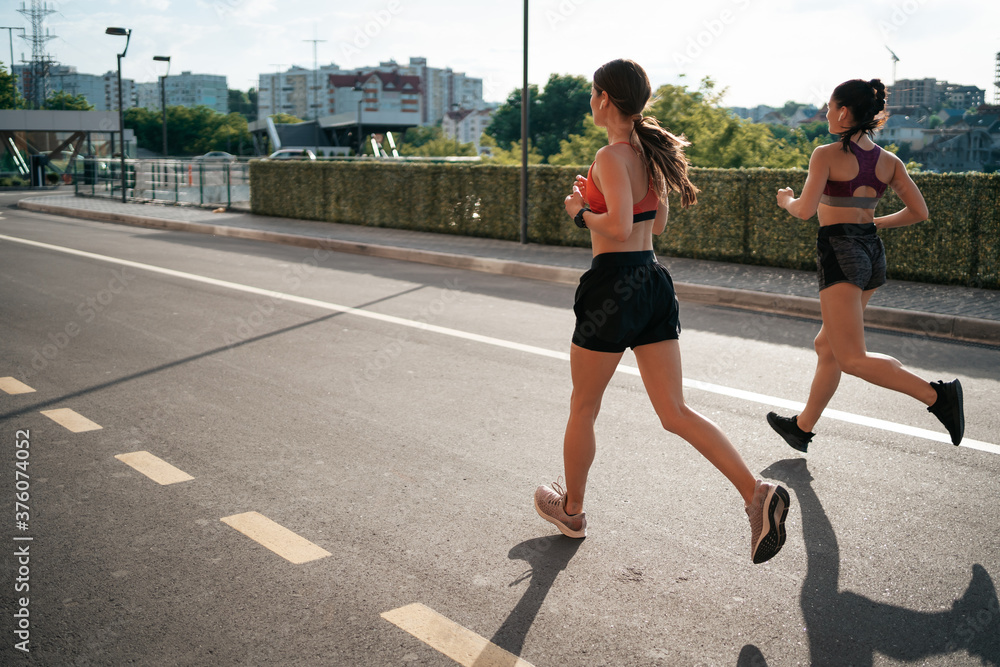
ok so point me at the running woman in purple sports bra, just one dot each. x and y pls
(845, 182)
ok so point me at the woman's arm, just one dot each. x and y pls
(612, 174)
(915, 208)
(806, 205)
(660, 221)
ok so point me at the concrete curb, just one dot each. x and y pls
(949, 327)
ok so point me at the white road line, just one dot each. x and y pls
(154, 468)
(71, 420)
(290, 546)
(510, 345)
(13, 386)
(448, 637)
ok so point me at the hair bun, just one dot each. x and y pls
(879, 89)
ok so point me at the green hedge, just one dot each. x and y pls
(736, 219)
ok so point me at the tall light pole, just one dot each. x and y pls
(360, 88)
(163, 98)
(525, 100)
(127, 34)
(10, 33)
(315, 103)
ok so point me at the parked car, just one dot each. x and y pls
(217, 156)
(292, 154)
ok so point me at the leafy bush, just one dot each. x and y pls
(736, 218)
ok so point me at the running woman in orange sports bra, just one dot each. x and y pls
(627, 299)
(845, 182)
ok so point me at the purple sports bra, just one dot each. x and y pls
(841, 193)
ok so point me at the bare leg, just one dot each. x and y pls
(591, 373)
(841, 304)
(660, 367)
(827, 376)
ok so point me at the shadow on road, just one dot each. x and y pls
(189, 359)
(847, 628)
(546, 558)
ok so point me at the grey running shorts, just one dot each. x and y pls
(626, 299)
(850, 253)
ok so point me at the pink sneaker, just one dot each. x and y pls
(767, 514)
(550, 505)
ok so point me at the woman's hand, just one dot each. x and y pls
(785, 195)
(574, 202)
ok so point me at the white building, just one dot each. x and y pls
(901, 130)
(111, 92)
(381, 97)
(467, 125)
(147, 95)
(193, 90)
(65, 78)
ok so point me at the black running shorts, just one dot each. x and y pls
(626, 299)
(850, 253)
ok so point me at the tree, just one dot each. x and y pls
(513, 156)
(284, 118)
(721, 140)
(439, 147)
(414, 137)
(9, 98)
(191, 130)
(244, 104)
(505, 126)
(63, 101)
(579, 149)
(563, 105)
(555, 113)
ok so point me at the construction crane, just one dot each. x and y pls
(895, 59)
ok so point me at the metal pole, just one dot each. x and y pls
(360, 140)
(315, 92)
(121, 125)
(525, 100)
(163, 104)
(10, 34)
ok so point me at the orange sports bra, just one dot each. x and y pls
(643, 210)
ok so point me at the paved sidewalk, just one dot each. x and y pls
(941, 311)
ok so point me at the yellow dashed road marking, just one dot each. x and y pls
(72, 420)
(154, 468)
(276, 537)
(12, 386)
(446, 636)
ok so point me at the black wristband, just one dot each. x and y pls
(580, 222)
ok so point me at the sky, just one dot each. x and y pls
(760, 51)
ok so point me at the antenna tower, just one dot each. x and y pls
(40, 61)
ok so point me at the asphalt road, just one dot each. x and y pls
(408, 449)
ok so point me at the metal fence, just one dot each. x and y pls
(194, 182)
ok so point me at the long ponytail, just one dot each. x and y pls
(664, 153)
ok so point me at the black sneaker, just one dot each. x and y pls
(948, 408)
(788, 428)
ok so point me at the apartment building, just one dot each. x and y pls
(308, 94)
(929, 93)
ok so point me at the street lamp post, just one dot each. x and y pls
(360, 88)
(10, 34)
(163, 98)
(127, 34)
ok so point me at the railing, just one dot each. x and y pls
(194, 182)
